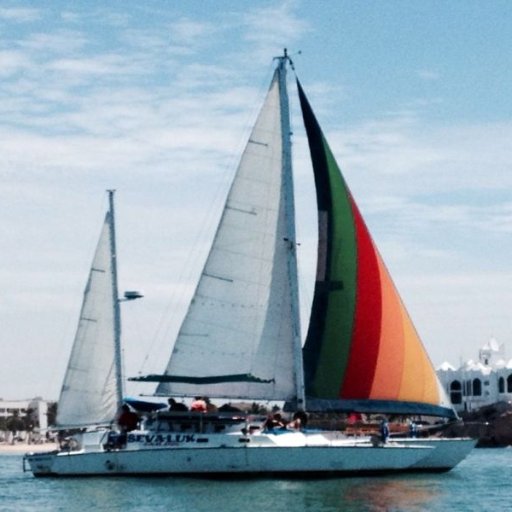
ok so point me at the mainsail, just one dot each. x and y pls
(241, 334)
(362, 352)
(91, 392)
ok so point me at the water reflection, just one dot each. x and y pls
(403, 494)
(366, 494)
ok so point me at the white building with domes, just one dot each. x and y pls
(478, 383)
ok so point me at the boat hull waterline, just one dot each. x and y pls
(190, 454)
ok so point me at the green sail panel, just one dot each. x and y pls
(334, 299)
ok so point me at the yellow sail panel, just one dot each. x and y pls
(419, 381)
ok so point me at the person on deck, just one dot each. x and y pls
(413, 429)
(384, 430)
(127, 420)
(299, 421)
(274, 422)
(353, 418)
(198, 405)
(176, 406)
(211, 408)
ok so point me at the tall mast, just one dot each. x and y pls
(115, 295)
(290, 227)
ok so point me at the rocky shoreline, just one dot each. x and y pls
(491, 425)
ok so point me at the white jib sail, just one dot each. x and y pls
(88, 395)
(239, 324)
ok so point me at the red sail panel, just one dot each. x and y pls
(364, 346)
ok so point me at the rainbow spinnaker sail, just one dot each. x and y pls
(362, 351)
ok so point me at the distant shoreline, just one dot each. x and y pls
(20, 448)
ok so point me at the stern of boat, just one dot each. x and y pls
(40, 464)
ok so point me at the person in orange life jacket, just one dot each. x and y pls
(198, 405)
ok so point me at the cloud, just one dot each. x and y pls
(456, 172)
(456, 312)
(266, 37)
(429, 75)
(13, 61)
(19, 14)
(188, 33)
(65, 41)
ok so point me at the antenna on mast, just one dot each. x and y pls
(286, 57)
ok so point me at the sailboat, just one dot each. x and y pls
(241, 338)
(92, 391)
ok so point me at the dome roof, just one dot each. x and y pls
(446, 367)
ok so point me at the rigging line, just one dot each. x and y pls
(204, 235)
(187, 275)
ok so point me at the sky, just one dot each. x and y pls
(156, 99)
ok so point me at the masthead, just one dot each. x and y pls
(285, 57)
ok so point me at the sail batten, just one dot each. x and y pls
(213, 379)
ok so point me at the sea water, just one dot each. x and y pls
(483, 482)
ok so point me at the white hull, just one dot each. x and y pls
(444, 455)
(447, 453)
(291, 453)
